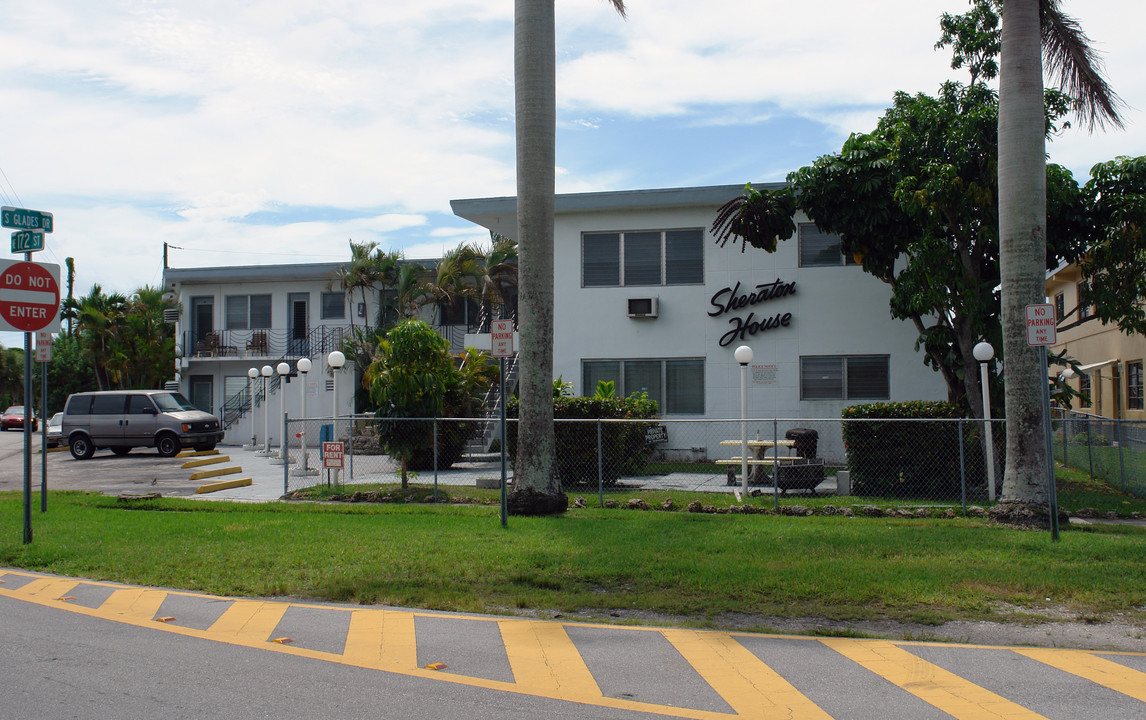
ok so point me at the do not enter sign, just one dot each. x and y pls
(29, 296)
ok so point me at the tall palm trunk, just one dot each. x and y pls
(1022, 242)
(535, 82)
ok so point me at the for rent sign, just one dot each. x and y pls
(332, 455)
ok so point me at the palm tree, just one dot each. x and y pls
(499, 274)
(1033, 29)
(100, 323)
(361, 273)
(535, 101)
(457, 276)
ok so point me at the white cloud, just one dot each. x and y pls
(140, 123)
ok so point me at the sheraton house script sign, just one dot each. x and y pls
(731, 299)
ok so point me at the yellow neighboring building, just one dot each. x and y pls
(1111, 359)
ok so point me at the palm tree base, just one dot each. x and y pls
(527, 501)
(1025, 515)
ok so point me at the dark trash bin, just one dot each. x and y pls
(807, 441)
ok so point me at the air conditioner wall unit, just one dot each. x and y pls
(645, 307)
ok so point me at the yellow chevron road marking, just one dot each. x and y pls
(542, 657)
(249, 620)
(135, 603)
(546, 663)
(383, 638)
(45, 589)
(945, 690)
(748, 685)
(1100, 671)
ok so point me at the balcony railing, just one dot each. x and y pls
(264, 343)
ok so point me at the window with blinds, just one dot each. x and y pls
(845, 377)
(820, 249)
(644, 258)
(677, 385)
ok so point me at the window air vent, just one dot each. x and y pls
(643, 307)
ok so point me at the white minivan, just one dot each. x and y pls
(123, 419)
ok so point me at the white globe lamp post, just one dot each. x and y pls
(335, 361)
(743, 355)
(304, 365)
(266, 372)
(283, 369)
(252, 374)
(983, 352)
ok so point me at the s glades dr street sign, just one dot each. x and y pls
(29, 296)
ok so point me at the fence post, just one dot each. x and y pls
(1121, 458)
(1064, 434)
(600, 469)
(963, 469)
(775, 465)
(1090, 448)
(435, 459)
(286, 455)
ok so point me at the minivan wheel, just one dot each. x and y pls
(168, 445)
(81, 447)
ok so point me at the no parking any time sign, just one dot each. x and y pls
(29, 296)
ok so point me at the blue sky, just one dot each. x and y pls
(272, 131)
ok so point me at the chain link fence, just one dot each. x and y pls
(1099, 463)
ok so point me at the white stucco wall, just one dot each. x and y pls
(834, 311)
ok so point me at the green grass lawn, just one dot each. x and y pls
(702, 566)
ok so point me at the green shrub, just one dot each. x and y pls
(907, 457)
(623, 447)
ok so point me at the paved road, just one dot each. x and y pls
(142, 470)
(284, 657)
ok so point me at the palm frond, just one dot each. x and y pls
(1078, 67)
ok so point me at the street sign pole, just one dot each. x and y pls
(1042, 331)
(501, 347)
(28, 349)
(25, 306)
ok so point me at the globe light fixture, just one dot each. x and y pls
(983, 352)
(743, 355)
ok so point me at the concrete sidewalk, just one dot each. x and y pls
(267, 482)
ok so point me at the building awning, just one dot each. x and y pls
(1091, 366)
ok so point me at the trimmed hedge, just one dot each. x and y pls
(907, 457)
(623, 447)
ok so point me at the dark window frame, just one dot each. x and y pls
(810, 237)
(669, 400)
(1134, 395)
(845, 377)
(610, 259)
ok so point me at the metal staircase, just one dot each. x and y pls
(488, 425)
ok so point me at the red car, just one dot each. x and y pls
(13, 417)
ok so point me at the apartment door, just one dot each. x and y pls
(201, 388)
(299, 314)
(202, 321)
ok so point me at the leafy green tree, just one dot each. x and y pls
(1112, 267)
(11, 375)
(915, 203)
(414, 377)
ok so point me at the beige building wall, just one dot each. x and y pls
(1112, 359)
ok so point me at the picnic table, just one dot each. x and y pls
(766, 454)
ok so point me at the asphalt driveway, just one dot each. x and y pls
(142, 470)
